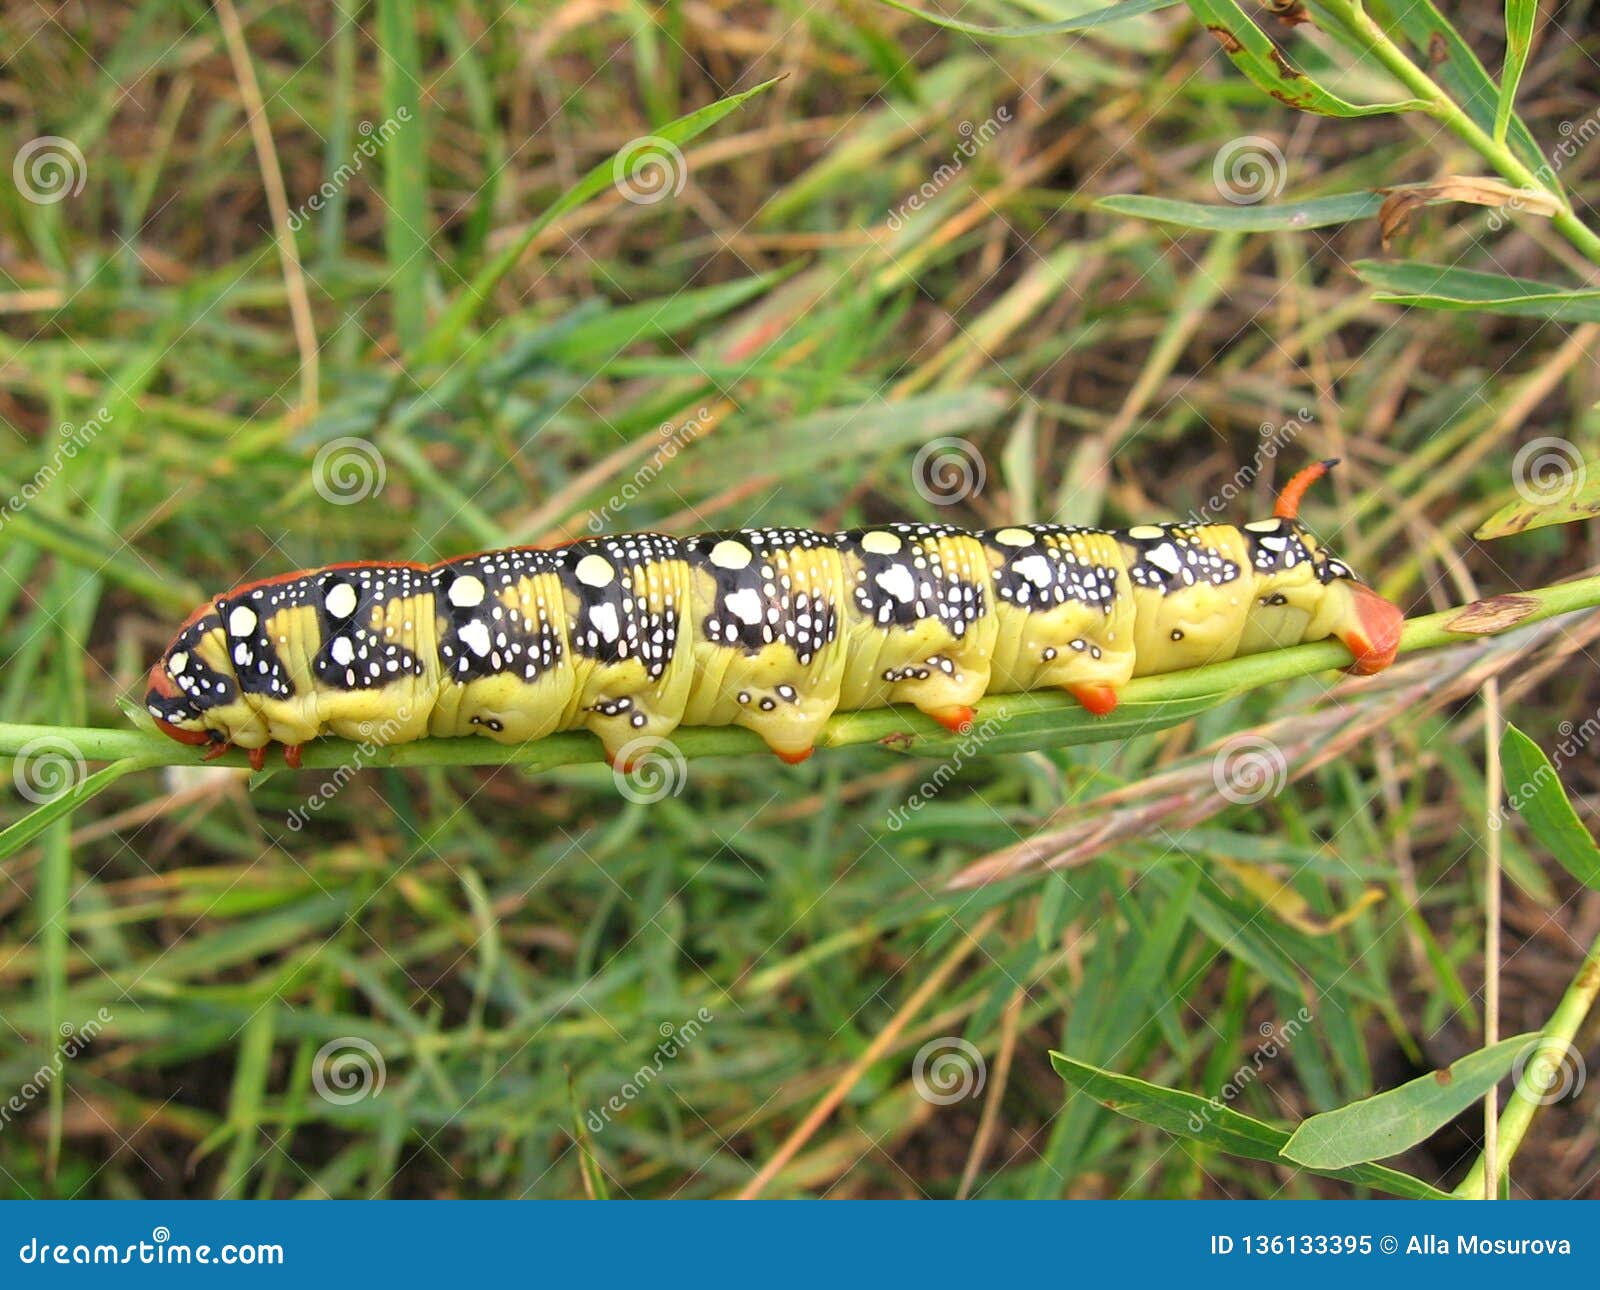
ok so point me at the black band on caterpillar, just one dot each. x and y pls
(771, 629)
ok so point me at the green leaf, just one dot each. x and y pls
(1520, 17)
(1450, 61)
(1205, 1120)
(1256, 55)
(1317, 212)
(405, 172)
(1534, 791)
(1571, 505)
(1388, 1123)
(454, 320)
(1436, 286)
(59, 762)
(1094, 18)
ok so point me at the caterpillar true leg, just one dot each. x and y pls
(771, 629)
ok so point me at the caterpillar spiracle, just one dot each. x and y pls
(772, 629)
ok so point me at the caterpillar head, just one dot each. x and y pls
(1306, 592)
(191, 681)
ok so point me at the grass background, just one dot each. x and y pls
(827, 292)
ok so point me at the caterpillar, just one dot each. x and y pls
(771, 629)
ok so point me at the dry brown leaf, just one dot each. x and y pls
(1486, 617)
(1394, 216)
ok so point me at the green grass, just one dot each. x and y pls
(517, 340)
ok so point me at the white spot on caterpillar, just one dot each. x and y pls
(341, 600)
(1146, 532)
(1035, 568)
(1166, 558)
(241, 621)
(1014, 537)
(475, 636)
(1262, 526)
(178, 662)
(467, 591)
(595, 571)
(880, 542)
(745, 605)
(728, 554)
(896, 580)
(604, 618)
(342, 651)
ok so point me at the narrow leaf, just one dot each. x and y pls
(1451, 62)
(1436, 286)
(1206, 1120)
(1317, 212)
(1094, 18)
(1386, 1124)
(455, 319)
(1256, 55)
(1520, 18)
(1534, 791)
(1577, 498)
(72, 795)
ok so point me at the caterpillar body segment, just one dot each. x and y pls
(770, 629)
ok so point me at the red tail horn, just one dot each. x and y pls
(1288, 506)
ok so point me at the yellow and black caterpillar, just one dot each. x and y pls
(771, 629)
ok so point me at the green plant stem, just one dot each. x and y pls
(1358, 24)
(1049, 719)
(1555, 1043)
